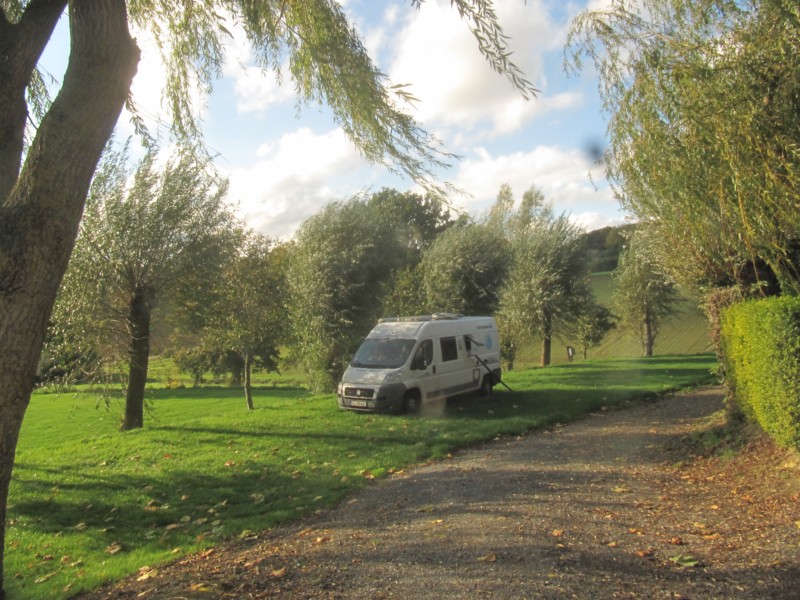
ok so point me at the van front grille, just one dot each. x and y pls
(355, 392)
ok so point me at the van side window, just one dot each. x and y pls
(423, 357)
(449, 349)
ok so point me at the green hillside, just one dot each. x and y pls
(685, 333)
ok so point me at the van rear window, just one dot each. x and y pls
(449, 349)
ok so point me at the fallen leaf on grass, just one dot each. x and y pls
(114, 548)
(685, 560)
(647, 553)
(491, 557)
(44, 578)
(279, 572)
(198, 587)
(146, 573)
(557, 532)
(675, 541)
(254, 563)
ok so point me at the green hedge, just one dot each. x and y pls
(760, 343)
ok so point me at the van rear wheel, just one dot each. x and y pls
(486, 385)
(412, 402)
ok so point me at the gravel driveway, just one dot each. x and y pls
(613, 506)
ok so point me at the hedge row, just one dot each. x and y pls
(760, 343)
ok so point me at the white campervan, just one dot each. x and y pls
(407, 361)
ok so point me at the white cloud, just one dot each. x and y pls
(564, 176)
(452, 80)
(294, 178)
(594, 220)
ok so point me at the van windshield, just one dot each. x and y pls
(382, 353)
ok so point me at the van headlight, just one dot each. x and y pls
(395, 375)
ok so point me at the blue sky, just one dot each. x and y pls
(284, 166)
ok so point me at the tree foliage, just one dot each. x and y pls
(704, 99)
(463, 270)
(415, 221)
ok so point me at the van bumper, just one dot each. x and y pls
(383, 398)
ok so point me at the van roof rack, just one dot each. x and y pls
(433, 317)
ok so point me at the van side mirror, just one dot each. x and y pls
(419, 363)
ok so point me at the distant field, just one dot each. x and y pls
(90, 504)
(685, 333)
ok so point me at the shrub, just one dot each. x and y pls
(760, 343)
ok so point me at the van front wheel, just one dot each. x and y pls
(411, 402)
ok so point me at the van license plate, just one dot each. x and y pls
(358, 403)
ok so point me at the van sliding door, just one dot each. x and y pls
(455, 368)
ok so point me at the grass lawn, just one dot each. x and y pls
(90, 504)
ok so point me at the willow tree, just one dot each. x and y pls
(248, 314)
(157, 235)
(44, 179)
(704, 100)
(339, 272)
(643, 294)
(545, 289)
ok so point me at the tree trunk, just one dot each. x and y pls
(547, 344)
(248, 389)
(41, 204)
(139, 357)
(647, 338)
(547, 341)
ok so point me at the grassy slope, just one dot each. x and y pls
(684, 333)
(89, 503)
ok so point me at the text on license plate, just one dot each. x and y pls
(358, 403)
